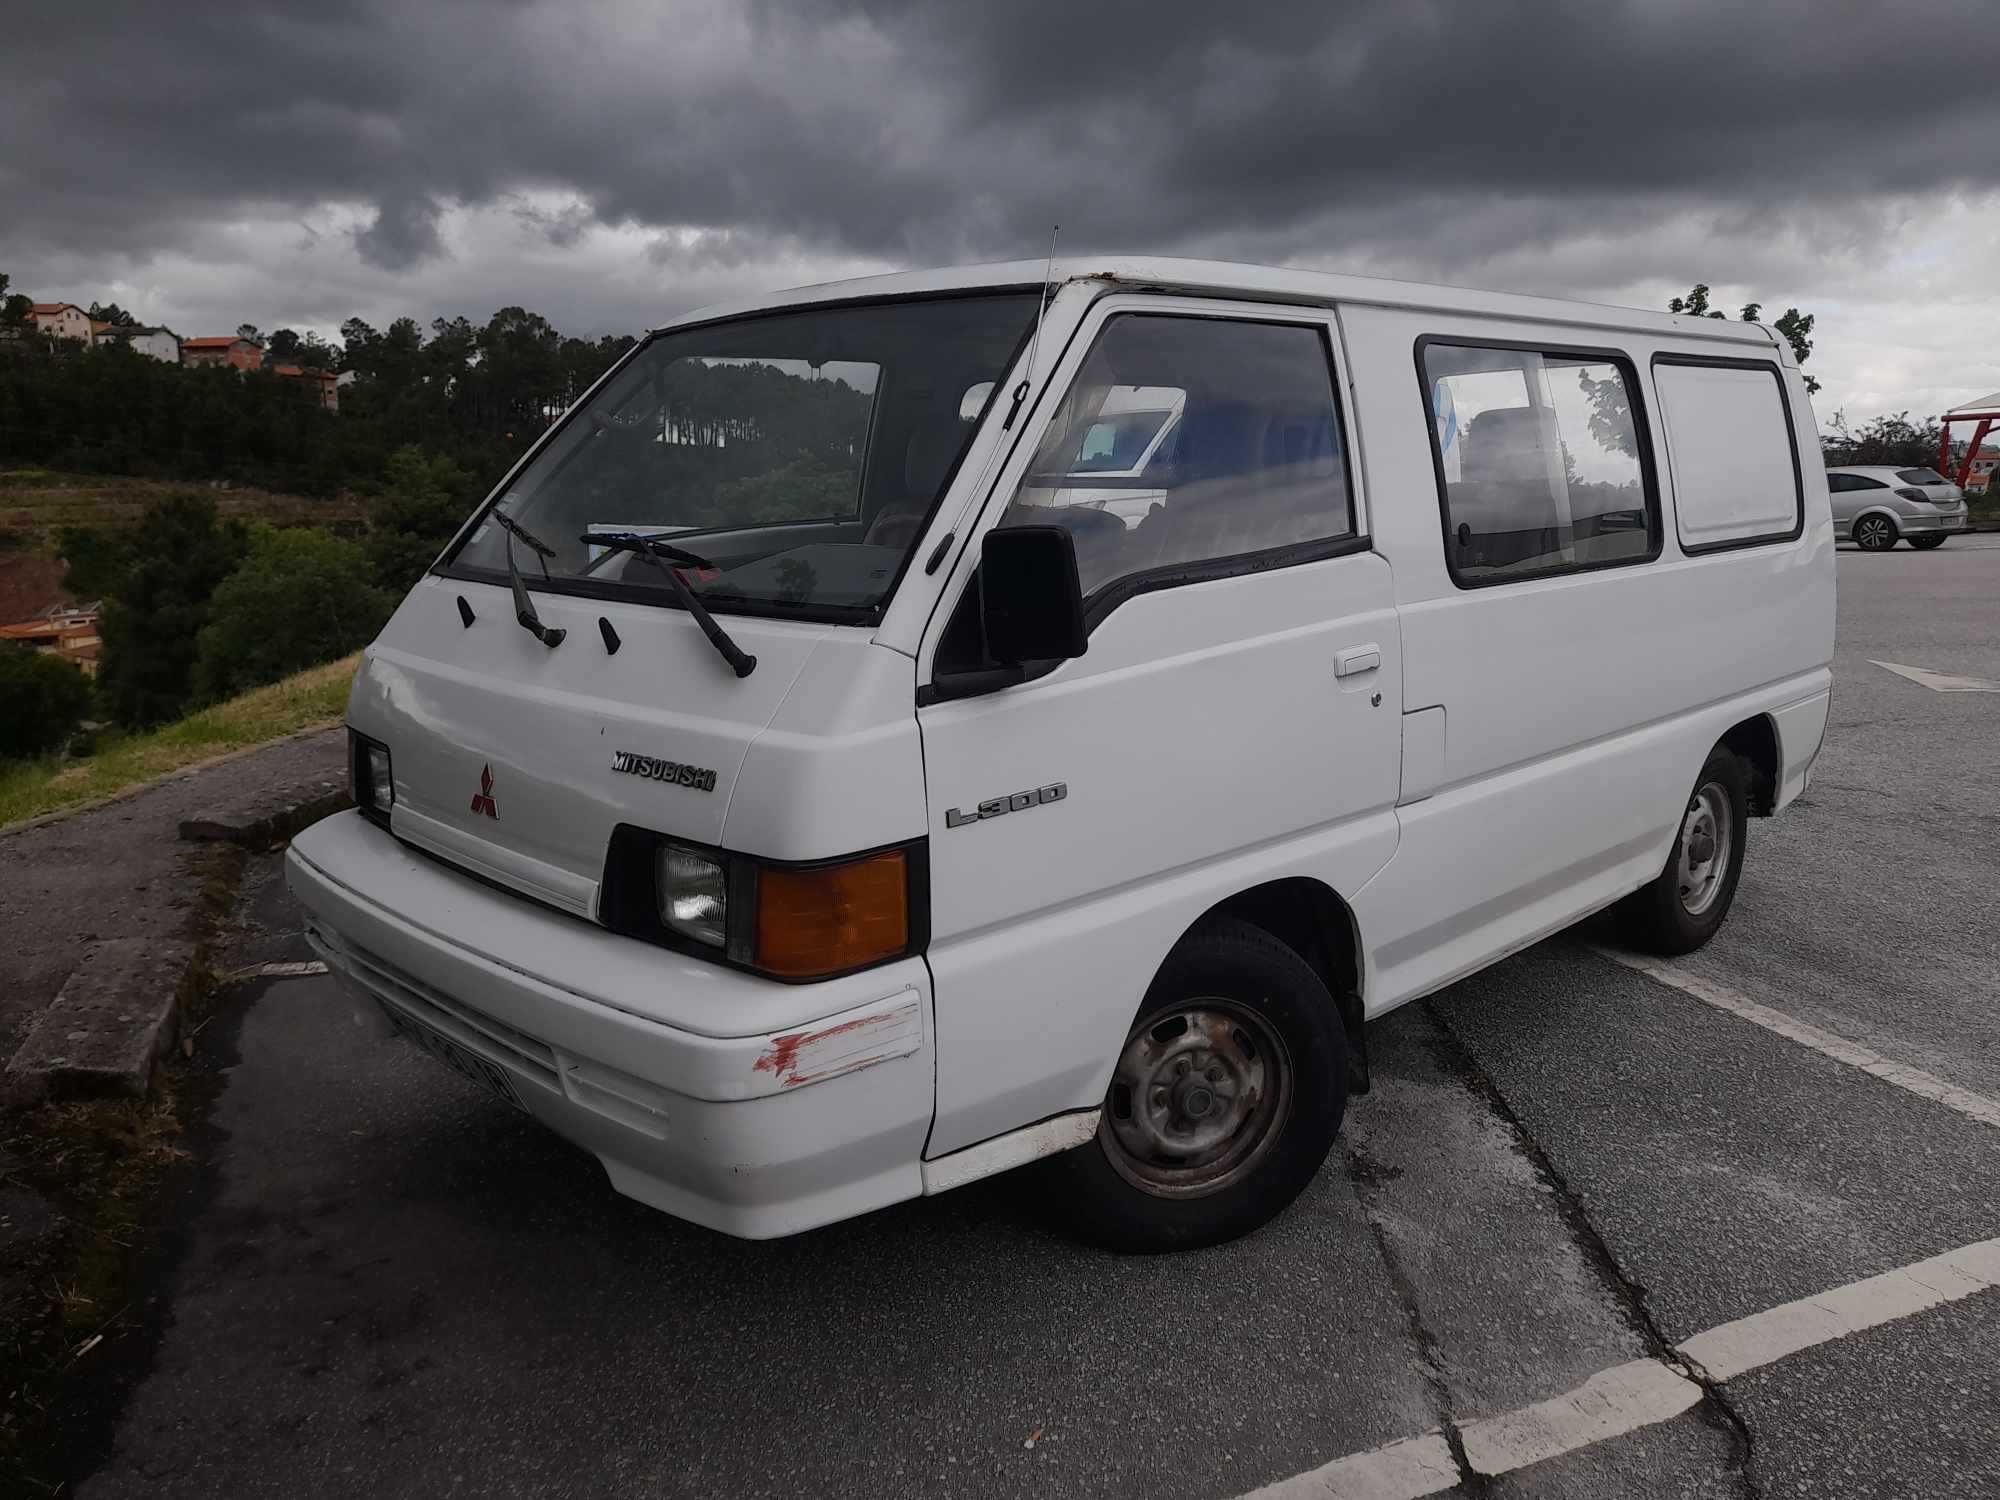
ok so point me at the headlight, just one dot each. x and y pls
(371, 780)
(693, 890)
(788, 921)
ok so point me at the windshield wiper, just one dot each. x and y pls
(663, 555)
(524, 606)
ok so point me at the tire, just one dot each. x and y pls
(1927, 543)
(1685, 904)
(1875, 533)
(1212, 1126)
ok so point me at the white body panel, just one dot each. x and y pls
(1462, 768)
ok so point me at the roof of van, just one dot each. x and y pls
(1264, 283)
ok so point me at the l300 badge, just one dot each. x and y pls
(700, 778)
(998, 807)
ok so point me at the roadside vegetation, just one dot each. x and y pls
(312, 699)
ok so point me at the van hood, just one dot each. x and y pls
(515, 761)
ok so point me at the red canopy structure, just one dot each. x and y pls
(1986, 412)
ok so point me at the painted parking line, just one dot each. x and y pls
(1925, 1085)
(1938, 682)
(1644, 1392)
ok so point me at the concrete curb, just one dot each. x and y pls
(182, 773)
(268, 819)
(113, 1018)
(118, 1012)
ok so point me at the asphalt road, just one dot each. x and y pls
(383, 1282)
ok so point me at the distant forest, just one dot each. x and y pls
(475, 394)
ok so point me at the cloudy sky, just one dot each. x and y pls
(609, 163)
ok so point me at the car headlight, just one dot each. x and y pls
(371, 779)
(793, 922)
(693, 891)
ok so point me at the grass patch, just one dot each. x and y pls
(36, 503)
(311, 700)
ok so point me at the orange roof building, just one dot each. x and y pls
(237, 353)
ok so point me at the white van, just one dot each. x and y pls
(773, 793)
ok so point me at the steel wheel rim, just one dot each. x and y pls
(1873, 530)
(1707, 836)
(1197, 1099)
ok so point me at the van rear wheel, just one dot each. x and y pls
(1685, 904)
(1224, 1101)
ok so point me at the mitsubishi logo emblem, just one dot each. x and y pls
(482, 800)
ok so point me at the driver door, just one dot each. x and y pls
(1235, 718)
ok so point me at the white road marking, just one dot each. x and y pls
(1643, 1392)
(1939, 682)
(1762, 1338)
(1615, 1401)
(1902, 1075)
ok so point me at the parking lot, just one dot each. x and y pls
(382, 1281)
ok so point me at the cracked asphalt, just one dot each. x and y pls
(377, 1280)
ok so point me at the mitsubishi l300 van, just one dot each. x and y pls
(797, 787)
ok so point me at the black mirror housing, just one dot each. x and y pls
(1031, 602)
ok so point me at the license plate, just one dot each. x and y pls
(463, 1061)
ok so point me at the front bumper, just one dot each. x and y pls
(818, 1115)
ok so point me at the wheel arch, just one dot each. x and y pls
(1755, 743)
(1309, 917)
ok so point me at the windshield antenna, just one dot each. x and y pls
(1035, 344)
(1048, 275)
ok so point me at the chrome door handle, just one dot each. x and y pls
(1356, 660)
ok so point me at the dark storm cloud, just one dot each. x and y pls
(404, 232)
(932, 131)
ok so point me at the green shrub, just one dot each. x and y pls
(42, 698)
(302, 597)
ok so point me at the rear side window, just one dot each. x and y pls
(1734, 456)
(1542, 461)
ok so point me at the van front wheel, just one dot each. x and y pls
(1223, 1103)
(1685, 904)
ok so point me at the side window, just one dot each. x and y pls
(1540, 460)
(1186, 441)
(1728, 430)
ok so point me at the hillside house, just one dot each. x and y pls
(237, 353)
(324, 385)
(162, 344)
(65, 320)
(65, 630)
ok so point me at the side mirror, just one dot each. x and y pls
(1030, 600)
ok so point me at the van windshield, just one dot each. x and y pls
(799, 454)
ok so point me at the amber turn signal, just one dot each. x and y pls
(832, 918)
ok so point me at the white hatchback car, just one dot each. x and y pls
(1874, 506)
